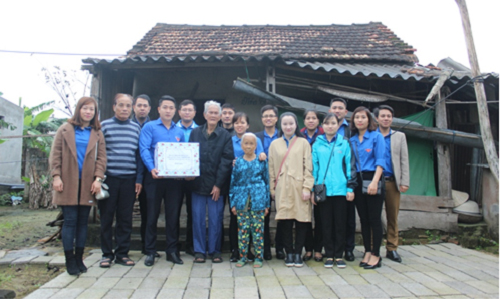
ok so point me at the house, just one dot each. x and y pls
(11, 148)
(297, 67)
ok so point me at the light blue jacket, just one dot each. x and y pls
(341, 176)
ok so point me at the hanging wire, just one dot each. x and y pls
(471, 80)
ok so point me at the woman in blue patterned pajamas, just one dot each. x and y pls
(249, 198)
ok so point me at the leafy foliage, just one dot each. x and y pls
(40, 124)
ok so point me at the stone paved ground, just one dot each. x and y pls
(431, 271)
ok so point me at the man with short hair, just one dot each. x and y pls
(165, 189)
(142, 107)
(187, 112)
(397, 175)
(124, 177)
(338, 106)
(216, 160)
(226, 121)
(269, 114)
(228, 112)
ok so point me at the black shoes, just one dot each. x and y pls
(318, 258)
(234, 256)
(308, 256)
(280, 255)
(174, 258)
(349, 256)
(157, 255)
(290, 260)
(79, 259)
(393, 255)
(329, 263)
(298, 261)
(377, 265)
(71, 265)
(267, 255)
(150, 260)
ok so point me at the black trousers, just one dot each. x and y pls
(168, 191)
(267, 234)
(350, 234)
(233, 227)
(278, 238)
(287, 235)
(120, 203)
(187, 193)
(370, 213)
(314, 237)
(143, 207)
(333, 216)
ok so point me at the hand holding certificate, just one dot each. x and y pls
(177, 159)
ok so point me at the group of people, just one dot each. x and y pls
(361, 165)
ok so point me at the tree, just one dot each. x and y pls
(36, 149)
(69, 85)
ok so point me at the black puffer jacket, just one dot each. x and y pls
(216, 160)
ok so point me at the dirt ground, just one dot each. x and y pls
(21, 228)
(24, 279)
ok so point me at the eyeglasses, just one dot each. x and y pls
(187, 110)
(269, 116)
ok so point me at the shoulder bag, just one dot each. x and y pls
(320, 189)
(364, 187)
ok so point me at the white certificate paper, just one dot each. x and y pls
(177, 159)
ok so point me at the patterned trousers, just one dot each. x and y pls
(250, 222)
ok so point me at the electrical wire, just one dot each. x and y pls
(55, 53)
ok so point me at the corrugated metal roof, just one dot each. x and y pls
(366, 69)
(202, 57)
(394, 71)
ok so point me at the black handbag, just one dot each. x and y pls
(364, 187)
(320, 189)
(368, 182)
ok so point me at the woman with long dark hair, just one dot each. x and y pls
(291, 182)
(77, 163)
(369, 150)
(314, 237)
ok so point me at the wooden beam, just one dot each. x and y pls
(436, 204)
(437, 87)
(363, 97)
(443, 152)
(482, 107)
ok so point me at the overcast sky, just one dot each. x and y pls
(433, 27)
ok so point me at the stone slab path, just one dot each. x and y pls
(431, 271)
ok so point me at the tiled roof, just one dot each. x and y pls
(360, 42)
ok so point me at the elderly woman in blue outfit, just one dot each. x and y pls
(249, 198)
(369, 150)
(241, 123)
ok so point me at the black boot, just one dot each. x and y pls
(290, 260)
(79, 259)
(71, 265)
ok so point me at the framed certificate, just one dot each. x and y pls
(177, 159)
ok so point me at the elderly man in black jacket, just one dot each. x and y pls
(216, 157)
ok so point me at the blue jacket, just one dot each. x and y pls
(249, 178)
(341, 177)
